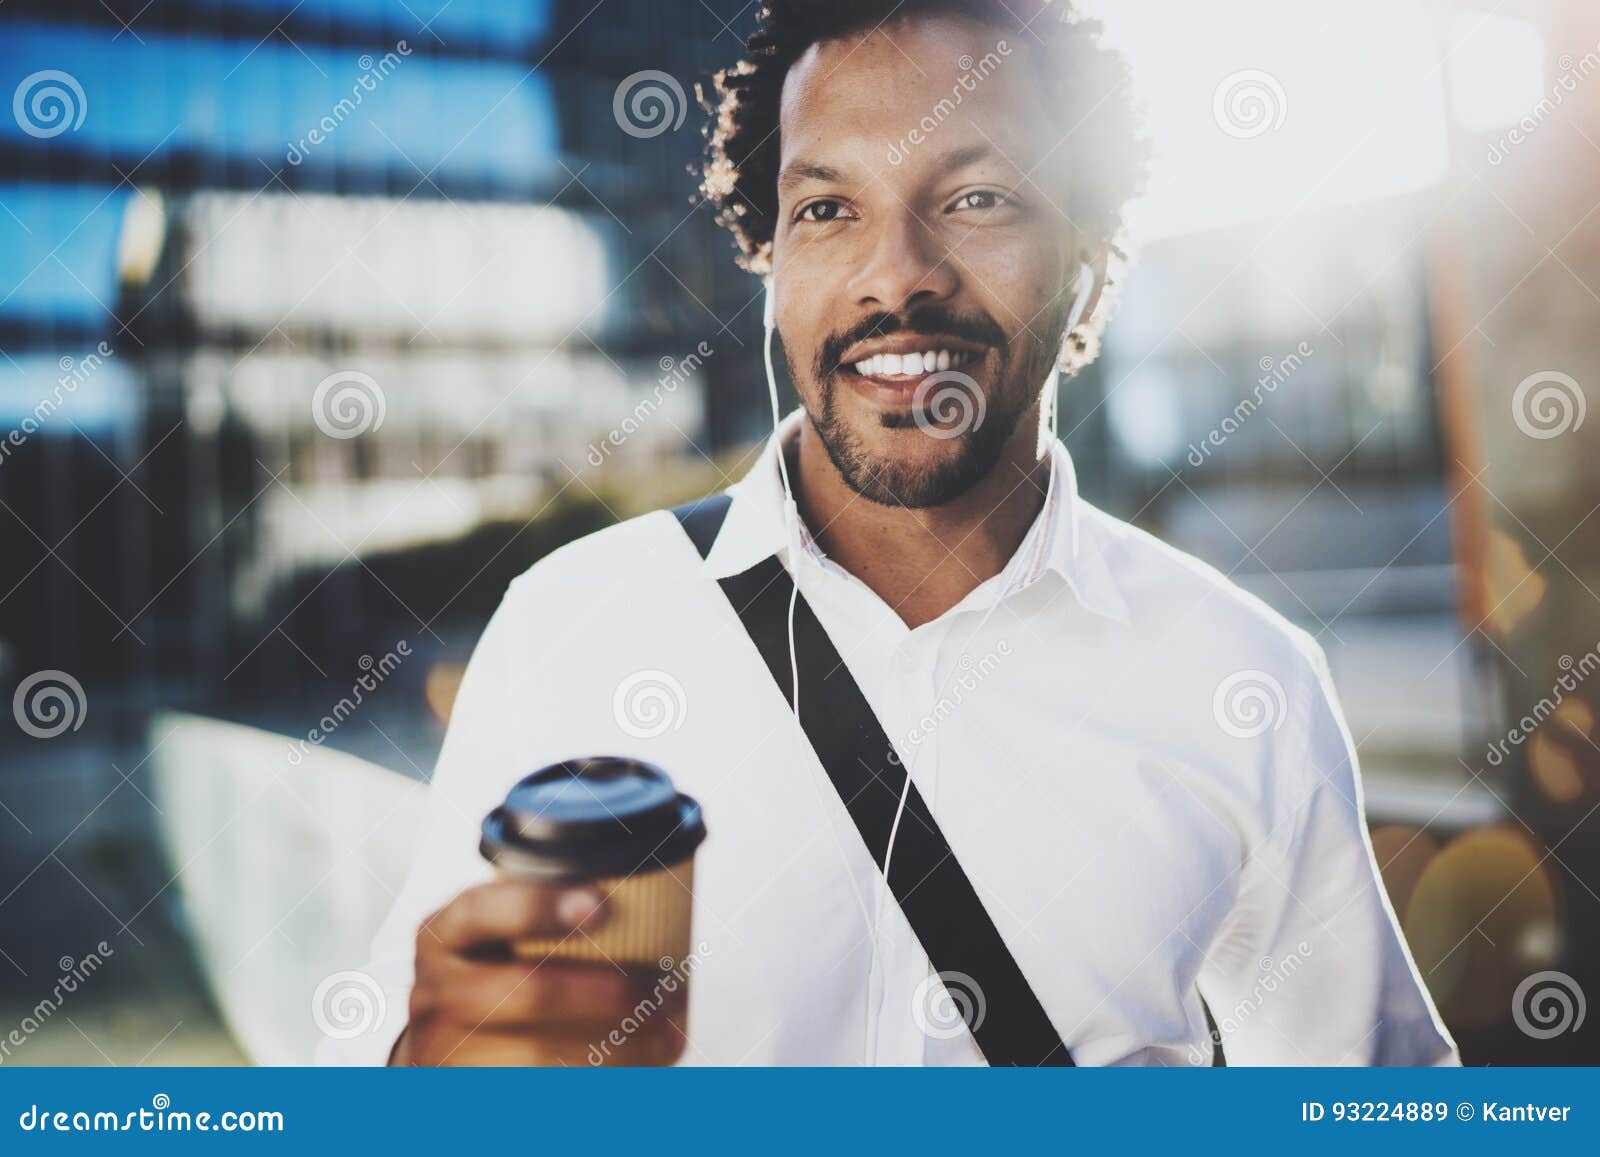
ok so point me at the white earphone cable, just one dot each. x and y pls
(1084, 286)
(791, 514)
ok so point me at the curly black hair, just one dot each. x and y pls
(1087, 82)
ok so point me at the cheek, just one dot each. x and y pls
(1019, 281)
(804, 288)
(801, 303)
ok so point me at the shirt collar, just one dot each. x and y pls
(1060, 541)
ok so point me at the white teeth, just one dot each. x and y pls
(912, 364)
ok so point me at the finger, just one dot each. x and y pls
(508, 909)
(515, 994)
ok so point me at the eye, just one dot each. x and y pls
(983, 199)
(822, 211)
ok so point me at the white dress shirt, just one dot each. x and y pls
(1142, 769)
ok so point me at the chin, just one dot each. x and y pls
(888, 458)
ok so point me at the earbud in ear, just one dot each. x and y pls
(1082, 288)
(769, 310)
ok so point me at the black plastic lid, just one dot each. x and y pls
(587, 818)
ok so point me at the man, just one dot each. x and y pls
(1141, 770)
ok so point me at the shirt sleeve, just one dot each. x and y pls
(488, 738)
(1314, 970)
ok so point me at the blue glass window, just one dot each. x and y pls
(477, 120)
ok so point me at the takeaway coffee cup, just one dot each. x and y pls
(620, 825)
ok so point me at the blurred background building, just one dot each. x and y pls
(319, 322)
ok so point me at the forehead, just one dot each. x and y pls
(936, 84)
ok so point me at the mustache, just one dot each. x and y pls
(929, 320)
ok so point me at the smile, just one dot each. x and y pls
(913, 364)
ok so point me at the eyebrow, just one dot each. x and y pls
(799, 172)
(962, 157)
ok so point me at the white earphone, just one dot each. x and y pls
(1083, 287)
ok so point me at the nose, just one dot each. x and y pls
(904, 267)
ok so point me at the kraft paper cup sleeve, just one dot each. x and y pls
(648, 922)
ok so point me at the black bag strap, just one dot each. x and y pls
(955, 930)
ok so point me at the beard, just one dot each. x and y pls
(922, 478)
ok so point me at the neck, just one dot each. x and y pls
(923, 561)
